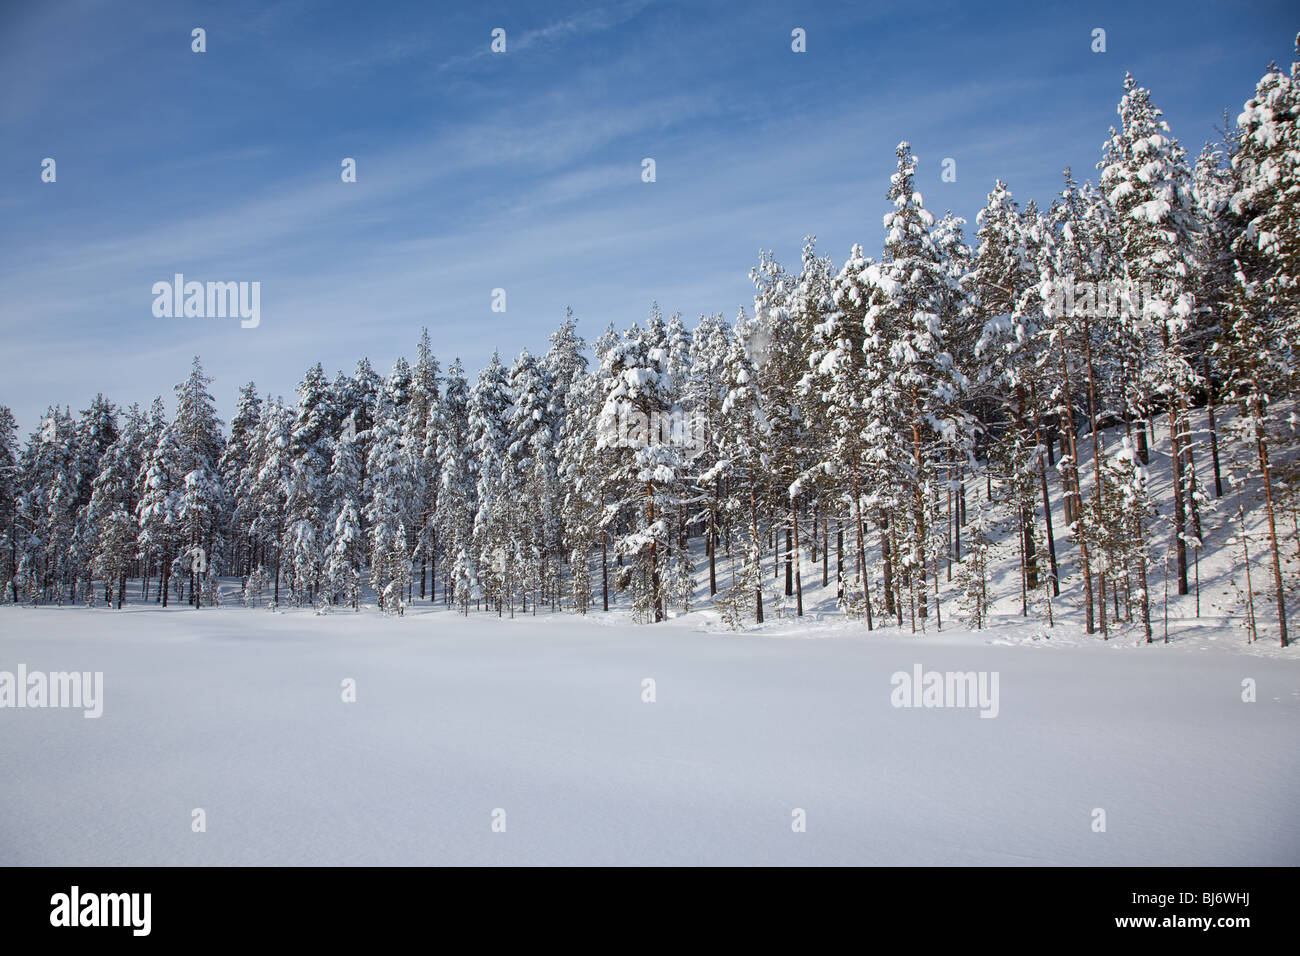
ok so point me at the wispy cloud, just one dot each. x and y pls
(595, 19)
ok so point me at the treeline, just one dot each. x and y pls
(897, 420)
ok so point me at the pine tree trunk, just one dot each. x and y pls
(862, 551)
(1180, 503)
(1214, 432)
(1047, 500)
(1266, 471)
(919, 502)
(1096, 468)
(798, 580)
(789, 563)
(826, 540)
(892, 605)
(839, 558)
(757, 571)
(713, 553)
(1073, 491)
(604, 565)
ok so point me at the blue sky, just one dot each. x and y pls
(519, 170)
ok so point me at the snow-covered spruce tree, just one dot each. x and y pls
(1265, 301)
(644, 473)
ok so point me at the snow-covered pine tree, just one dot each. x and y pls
(909, 291)
(1004, 281)
(1068, 264)
(1146, 181)
(202, 505)
(233, 467)
(494, 517)
(702, 399)
(268, 476)
(1265, 300)
(529, 479)
(343, 560)
(112, 507)
(572, 415)
(456, 499)
(860, 435)
(743, 436)
(421, 426)
(635, 424)
(9, 491)
(158, 512)
(390, 472)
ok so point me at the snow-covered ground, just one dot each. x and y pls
(240, 712)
